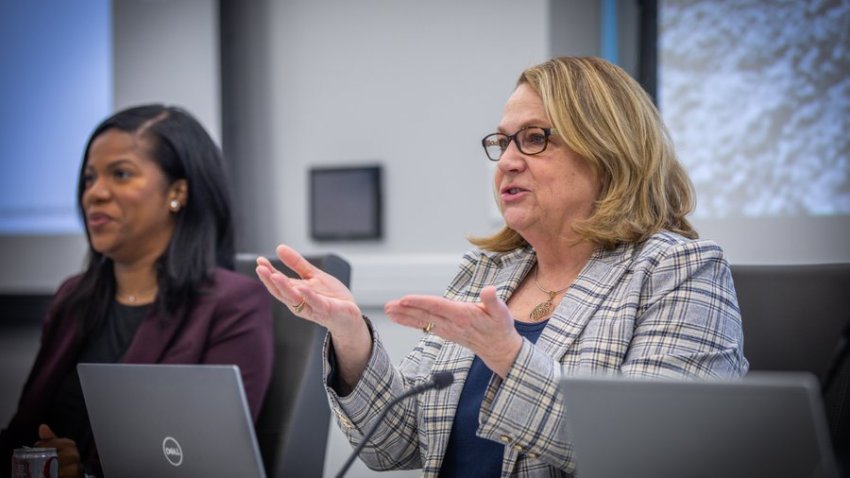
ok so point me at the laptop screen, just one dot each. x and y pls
(763, 425)
(170, 420)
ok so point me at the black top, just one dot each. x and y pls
(468, 455)
(67, 415)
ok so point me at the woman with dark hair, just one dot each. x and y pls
(158, 286)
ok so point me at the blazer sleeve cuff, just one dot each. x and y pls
(353, 410)
(525, 411)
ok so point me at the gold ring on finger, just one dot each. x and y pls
(428, 327)
(300, 306)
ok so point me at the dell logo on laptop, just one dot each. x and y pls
(173, 452)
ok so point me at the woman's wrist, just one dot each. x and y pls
(352, 336)
(352, 349)
(502, 364)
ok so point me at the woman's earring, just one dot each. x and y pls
(175, 205)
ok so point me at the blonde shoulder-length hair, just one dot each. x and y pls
(605, 116)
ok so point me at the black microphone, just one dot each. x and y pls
(439, 381)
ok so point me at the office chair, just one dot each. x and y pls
(292, 428)
(793, 315)
(797, 317)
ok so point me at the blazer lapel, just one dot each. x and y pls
(505, 272)
(599, 276)
(456, 359)
(152, 339)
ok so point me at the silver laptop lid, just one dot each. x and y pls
(170, 421)
(768, 424)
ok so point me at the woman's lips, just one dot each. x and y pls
(97, 220)
(513, 193)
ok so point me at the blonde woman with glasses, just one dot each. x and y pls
(596, 271)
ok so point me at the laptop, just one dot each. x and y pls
(766, 424)
(170, 421)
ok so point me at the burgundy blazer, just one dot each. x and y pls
(231, 323)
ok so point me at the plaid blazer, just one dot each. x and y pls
(665, 308)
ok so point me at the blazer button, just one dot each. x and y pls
(344, 421)
(533, 455)
(505, 439)
(517, 448)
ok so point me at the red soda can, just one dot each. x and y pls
(35, 463)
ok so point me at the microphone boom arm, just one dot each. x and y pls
(438, 381)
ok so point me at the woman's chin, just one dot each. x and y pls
(516, 224)
(515, 220)
(101, 247)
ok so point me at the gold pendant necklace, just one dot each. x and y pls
(544, 308)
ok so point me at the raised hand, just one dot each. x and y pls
(314, 295)
(319, 297)
(486, 327)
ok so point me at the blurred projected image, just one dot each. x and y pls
(757, 98)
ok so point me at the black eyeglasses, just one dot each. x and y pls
(530, 140)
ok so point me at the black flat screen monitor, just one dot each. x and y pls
(345, 203)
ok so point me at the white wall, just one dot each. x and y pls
(166, 51)
(406, 84)
(38, 264)
(772, 240)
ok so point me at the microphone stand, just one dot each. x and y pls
(438, 381)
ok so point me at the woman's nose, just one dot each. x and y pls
(512, 158)
(96, 190)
